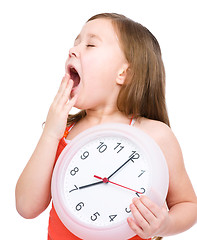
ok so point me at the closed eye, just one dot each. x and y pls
(90, 45)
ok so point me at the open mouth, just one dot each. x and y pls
(74, 76)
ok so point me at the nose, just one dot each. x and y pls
(74, 52)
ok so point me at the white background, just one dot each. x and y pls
(34, 40)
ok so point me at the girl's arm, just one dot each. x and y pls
(33, 189)
(150, 220)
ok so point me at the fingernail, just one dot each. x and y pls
(71, 81)
(129, 220)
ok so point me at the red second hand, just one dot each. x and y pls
(105, 180)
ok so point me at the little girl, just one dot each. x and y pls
(115, 73)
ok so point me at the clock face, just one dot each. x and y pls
(105, 203)
(99, 173)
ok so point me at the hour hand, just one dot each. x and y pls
(91, 184)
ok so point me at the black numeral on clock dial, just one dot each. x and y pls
(102, 147)
(142, 172)
(74, 171)
(118, 147)
(112, 217)
(95, 216)
(142, 192)
(85, 155)
(74, 189)
(127, 210)
(79, 206)
(134, 156)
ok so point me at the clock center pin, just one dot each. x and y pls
(105, 180)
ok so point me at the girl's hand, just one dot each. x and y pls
(149, 219)
(58, 113)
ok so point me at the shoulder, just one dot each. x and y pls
(163, 136)
(156, 129)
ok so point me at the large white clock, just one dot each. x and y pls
(98, 174)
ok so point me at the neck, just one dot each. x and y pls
(105, 115)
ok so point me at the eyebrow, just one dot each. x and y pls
(89, 36)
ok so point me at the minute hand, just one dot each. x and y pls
(133, 156)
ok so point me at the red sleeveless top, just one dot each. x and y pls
(56, 229)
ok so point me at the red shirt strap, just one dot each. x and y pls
(68, 130)
(131, 120)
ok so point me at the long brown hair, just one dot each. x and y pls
(143, 93)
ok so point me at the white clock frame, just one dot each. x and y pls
(157, 192)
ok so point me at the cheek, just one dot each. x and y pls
(100, 75)
(100, 64)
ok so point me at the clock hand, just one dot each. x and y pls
(130, 159)
(106, 180)
(91, 184)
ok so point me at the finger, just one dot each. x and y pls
(154, 208)
(144, 211)
(62, 87)
(65, 95)
(134, 226)
(139, 218)
(71, 103)
(63, 83)
(67, 91)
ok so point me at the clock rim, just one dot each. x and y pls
(82, 139)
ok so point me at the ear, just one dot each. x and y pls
(122, 74)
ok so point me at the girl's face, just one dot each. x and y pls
(97, 65)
